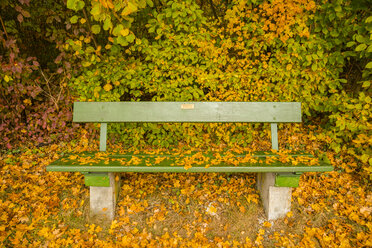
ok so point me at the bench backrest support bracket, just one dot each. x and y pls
(274, 136)
(103, 137)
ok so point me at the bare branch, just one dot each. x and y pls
(90, 28)
(2, 23)
(214, 10)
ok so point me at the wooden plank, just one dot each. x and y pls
(97, 179)
(103, 137)
(274, 136)
(287, 180)
(187, 112)
(174, 163)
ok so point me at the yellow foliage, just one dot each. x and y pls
(107, 87)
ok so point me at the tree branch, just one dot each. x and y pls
(89, 25)
(214, 10)
(2, 23)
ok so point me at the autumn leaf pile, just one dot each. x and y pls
(40, 208)
(190, 158)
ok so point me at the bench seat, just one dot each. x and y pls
(265, 162)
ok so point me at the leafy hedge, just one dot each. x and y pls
(318, 53)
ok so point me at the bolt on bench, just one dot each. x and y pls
(274, 180)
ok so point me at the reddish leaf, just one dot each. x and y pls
(58, 59)
(20, 18)
(18, 8)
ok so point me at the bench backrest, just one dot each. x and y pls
(187, 112)
(105, 112)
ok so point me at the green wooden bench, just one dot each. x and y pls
(274, 180)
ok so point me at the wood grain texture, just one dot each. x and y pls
(272, 112)
(274, 136)
(103, 137)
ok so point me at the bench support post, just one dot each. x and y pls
(104, 187)
(103, 199)
(276, 200)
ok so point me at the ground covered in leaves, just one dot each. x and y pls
(49, 209)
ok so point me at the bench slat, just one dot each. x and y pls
(271, 112)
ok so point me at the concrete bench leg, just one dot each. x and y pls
(103, 199)
(276, 200)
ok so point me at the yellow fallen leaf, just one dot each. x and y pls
(135, 230)
(242, 209)
(267, 224)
